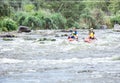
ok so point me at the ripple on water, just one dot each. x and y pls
(61, 61)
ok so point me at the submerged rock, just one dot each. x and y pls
(42, 39)
(57, 35)
(64, 35)
(8, 35)
(46, 39)
(7, 39)
(42, 42)
(29, 38)
(53, 39)
(85, 71)
(66, 30)
(116, 58)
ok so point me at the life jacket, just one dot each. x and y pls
(91, 35)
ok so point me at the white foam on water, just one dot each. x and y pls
(6, 49)
(7, 60)
(69, 61)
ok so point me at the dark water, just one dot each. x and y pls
(27, 60)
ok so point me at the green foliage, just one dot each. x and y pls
(115, 19)
(42, 14)
(58, 21)
(29, 8)
(8, 24)
(98, 17)
(4, 9)
(107, 21)
(72, 10)
(70, 22)
(92, 18)
(114, 6)
(1, 24)
(32, 21)
(41, 20)
(77, 25)
(20, 17)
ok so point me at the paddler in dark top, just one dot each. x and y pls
(74, 34)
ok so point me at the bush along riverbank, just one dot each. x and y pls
(58, 15)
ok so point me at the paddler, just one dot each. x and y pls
(91, 34)
(74, 34)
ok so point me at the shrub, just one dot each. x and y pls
(115, 19)
(70, 22)
(29, 7)
(58, 21)
(77, 25)
(32, 22)
(0, 24)
(93, 18)
(8, 24)
(107, 21)
(41, 20)
(19, 17)
(87, 21)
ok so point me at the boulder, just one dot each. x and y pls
(116, 27)
(23, 29)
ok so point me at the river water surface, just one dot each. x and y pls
(25, 59)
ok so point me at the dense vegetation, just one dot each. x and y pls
(58, 14)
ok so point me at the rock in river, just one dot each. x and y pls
(23, 29)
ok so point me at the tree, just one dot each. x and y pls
(4, 8)
(114, 6)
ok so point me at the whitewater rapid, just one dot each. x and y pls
(25, 59)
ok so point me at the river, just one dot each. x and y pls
(25, 59)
